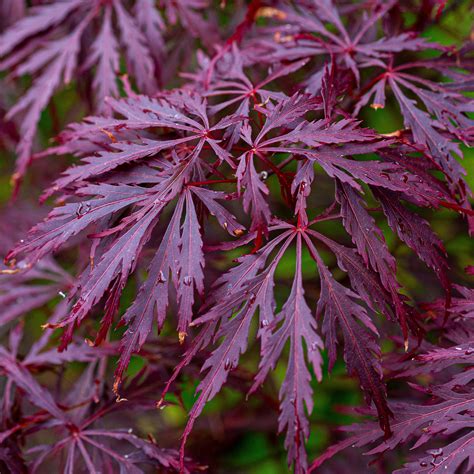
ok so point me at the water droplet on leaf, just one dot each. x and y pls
(435, 452)
(161, 277)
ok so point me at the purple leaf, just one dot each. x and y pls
(361, 351)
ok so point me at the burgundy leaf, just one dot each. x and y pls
(296, 323)
(416, 233)
(361, 351)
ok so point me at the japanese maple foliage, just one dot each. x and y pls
(445, 409)
(60, 40)
(197, 175)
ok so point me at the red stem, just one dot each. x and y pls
(236, 37)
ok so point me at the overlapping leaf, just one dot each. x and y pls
(56, 41)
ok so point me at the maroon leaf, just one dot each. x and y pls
(361, 351)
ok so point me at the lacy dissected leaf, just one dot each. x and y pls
(409, 423)
(368, 285)
(254, 193)
(441, 118)
(289, 114)
(142, 113)
(179, 258)
(249, 287)
(463, 306)
(450, 458)
(244, 94)
(190, 14)
(112, 270)
(191, 262)
(23, 289)
(39, 356)
(379, 174)
(307, 34)
(122, 236)
(420, 123)
(24, 292)
(152, 298)
(28, 47)
(370, 244)
(367, 237)
(416, 233)
(297, 324)
(36, 393)
(365, 281)
(225, 218)
(246, 293)
(460, 309)
(78, 433)
(361, 351)
(69, 220)
(105, 55)
(445, 417)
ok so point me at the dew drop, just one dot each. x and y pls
(435, 452)
(314, 346)
(22, 241)
(161, 277)
(469, 351)
(423, 464)
(264, 323)
(252, 298)
(62, 294)
(263, 175)
(130, 431)
(83, 209)
(227, 364)
(187, 280)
